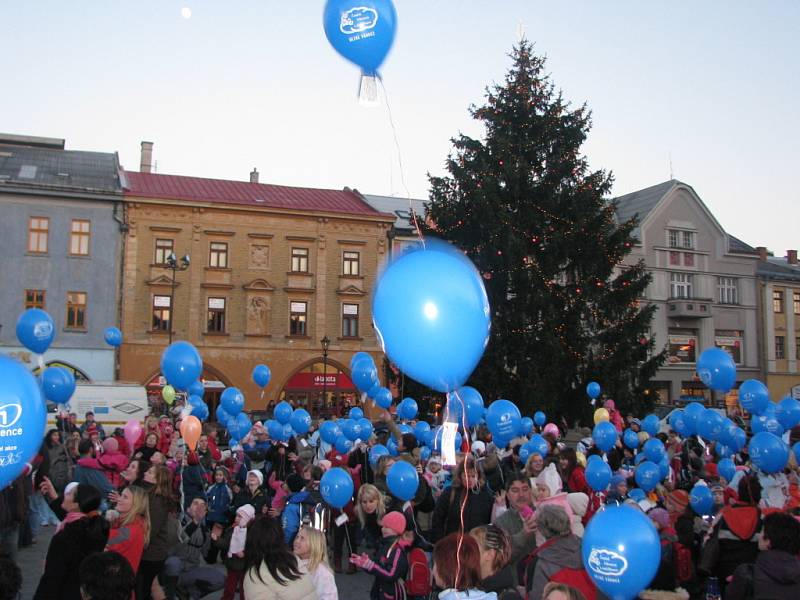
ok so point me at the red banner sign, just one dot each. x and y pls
(333, 381)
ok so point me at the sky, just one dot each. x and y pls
(704, 92)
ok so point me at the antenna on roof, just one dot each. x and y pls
(671, 176)
(520, 31)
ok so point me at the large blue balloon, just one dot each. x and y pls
(621, 551)
(376, 452)
(727, 469)
(232, 400)
(261, 375)
(788, 412)
(366, 428)
(362, 31)
(22, 418)
(222, 415)
(239, 426)
(329, 431)
(402, 480)
(336, 487)
(407, 409)
(593, 389)
(199, 408)
(113, 336)
(351, 430)
(647, 475)
(654, 450)
(432, 315)
(275, 429)
(502, 418)
(679, 422)
(181, 365)
(716, 369)
(364, 373)
(702, 500)
(766, 422)
(651, 425)
(754, 396)
(283, 412)
(604, 435)
(710, 424)
(35, 330)
(343, 445)
(420, 429)
(300, 421)
(525, 426)
(383, 397)
(539, 418)
(197, 389)
(598, 475)
(358, 356)
(473, 404)
(631, 439)
(356, 413)
(768, 452)
(58, 385)
(691, 413)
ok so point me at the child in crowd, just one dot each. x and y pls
(435, 476)
(232, 545)
(311, 550)
(292, 513)
(280, 495)
(390, 564)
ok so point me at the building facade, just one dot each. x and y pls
(779, 304)
(60, 234)
(704, 285)
(272, 272)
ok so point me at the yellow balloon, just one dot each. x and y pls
(643, 436)
(168, 394)
(581, 458)
(600, 415)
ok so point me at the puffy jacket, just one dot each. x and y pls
(776, 574)
(219, 497)
(128, 540)
(390, 565)
(292, 515)
(112, 464)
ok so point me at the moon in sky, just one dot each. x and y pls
(186, 12)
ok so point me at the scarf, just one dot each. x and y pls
(74, 516)
(238, 540)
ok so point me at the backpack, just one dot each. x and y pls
(684, 565)
(578, 579)
(418, 582)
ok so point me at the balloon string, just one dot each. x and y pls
(400, 163)
(466, 491)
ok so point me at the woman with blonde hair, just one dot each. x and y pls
(497, 573)
(131, 531)
(311, 551)
(370, 508)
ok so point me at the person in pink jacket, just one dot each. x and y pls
(614, 415)
(111, 462)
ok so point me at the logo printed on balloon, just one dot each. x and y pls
(42, 330)
(358, 20)
(606, 563)
(9, 415)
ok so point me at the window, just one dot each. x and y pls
(728, 288)
(34, 299)
(688, 259)
(299, 260)
(731, 342)
(780, 347)
(79, 237)
(777, 302)
(672, 237)
(218, 255)
(682, 344)
(680, 239)
(216, 315)
(674, 258)
(687, 239)
(37, 234)
(76, 310)
(350, 263)
(163, 249)
(680, 285)
(349, 320)
(161, 313)
(297, 318)
(796, 302)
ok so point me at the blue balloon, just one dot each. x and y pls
(420, 429)
(201, 410)
(647, 475)
(195, 401)
(795, 449)
(361, 31)
(604, 435)
(343, 444)
(621, 551)
(436, 444)
(392, 446)
(710, 424)
(383, 397)
(630, 439)
(432, 316)
(58, 385)
(680, 423)
(691, 413)
(503, 419)
(766, 422)
(637, 494)
(336, 487)
(538, 444)
(366, 428)
(639, 458)
(356, 413)
(329, 431)
(723, 450)
(24, 414)
(300, 421)
(35, 330)
(593, 389)
(739, 440)
(716, 369)
(239, 426)
(425, 453)
(539, 418)
(222, 415)
(702, 500)
(196, 388)
(283, 412)
(525, 426)
(358, 356)
(405, 428)
(402, 480)
(664, 468)
(275, 429)
(651, 425)
(473, 403)
(788, 412)
(232, 400)
(654, 450)
(407, 409)
(261, 375)
(351, 430)
(376, 452)
(288, 432)
(364, 374)
(428, 437)
(598, 475)
(754, 396)
(113, 336)
(727, 469)
(181, 365)
(768, 452)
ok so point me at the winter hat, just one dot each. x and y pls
(478, 448)
(578, 502)
(295, 483)
(659, 516)
(259, 475)
(110, 445)
(677, 501)
(70, 486)
(394, 521)
(247, 511)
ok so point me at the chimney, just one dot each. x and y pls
(146, 163)
(791, 257)
(762, 253)
(254, 175)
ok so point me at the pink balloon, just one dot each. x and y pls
(552, 428)
(133, 429)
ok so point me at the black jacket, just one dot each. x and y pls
(776, 574)
(447, 514)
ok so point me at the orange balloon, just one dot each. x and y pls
(190, 431)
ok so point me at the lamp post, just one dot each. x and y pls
(326, 342)
(172, 263)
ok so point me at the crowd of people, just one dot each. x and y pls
(157, 519)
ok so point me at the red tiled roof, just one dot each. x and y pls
(200, 189)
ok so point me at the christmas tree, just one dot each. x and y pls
(539, 225)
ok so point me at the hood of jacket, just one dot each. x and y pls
(781, 567)
(298, 497)
(743, 520)
(467, 595)
(564, 551)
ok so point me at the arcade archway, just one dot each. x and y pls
(323, 388)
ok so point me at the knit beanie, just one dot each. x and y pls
(295, 483)
(259, 475)
(677, 501)
(395, 521)
(110, 445)
(247, 511)
(659, 516)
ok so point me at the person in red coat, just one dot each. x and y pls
(572, 474)
(614, 416)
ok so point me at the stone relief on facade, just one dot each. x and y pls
(257, 315)
(259, 256)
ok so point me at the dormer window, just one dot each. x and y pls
(677, 238)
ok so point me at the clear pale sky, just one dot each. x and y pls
(254, 83)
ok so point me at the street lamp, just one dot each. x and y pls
(326, 342)
(172, 263)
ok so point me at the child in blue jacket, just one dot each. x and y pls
(293, 511)
(219, 498)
